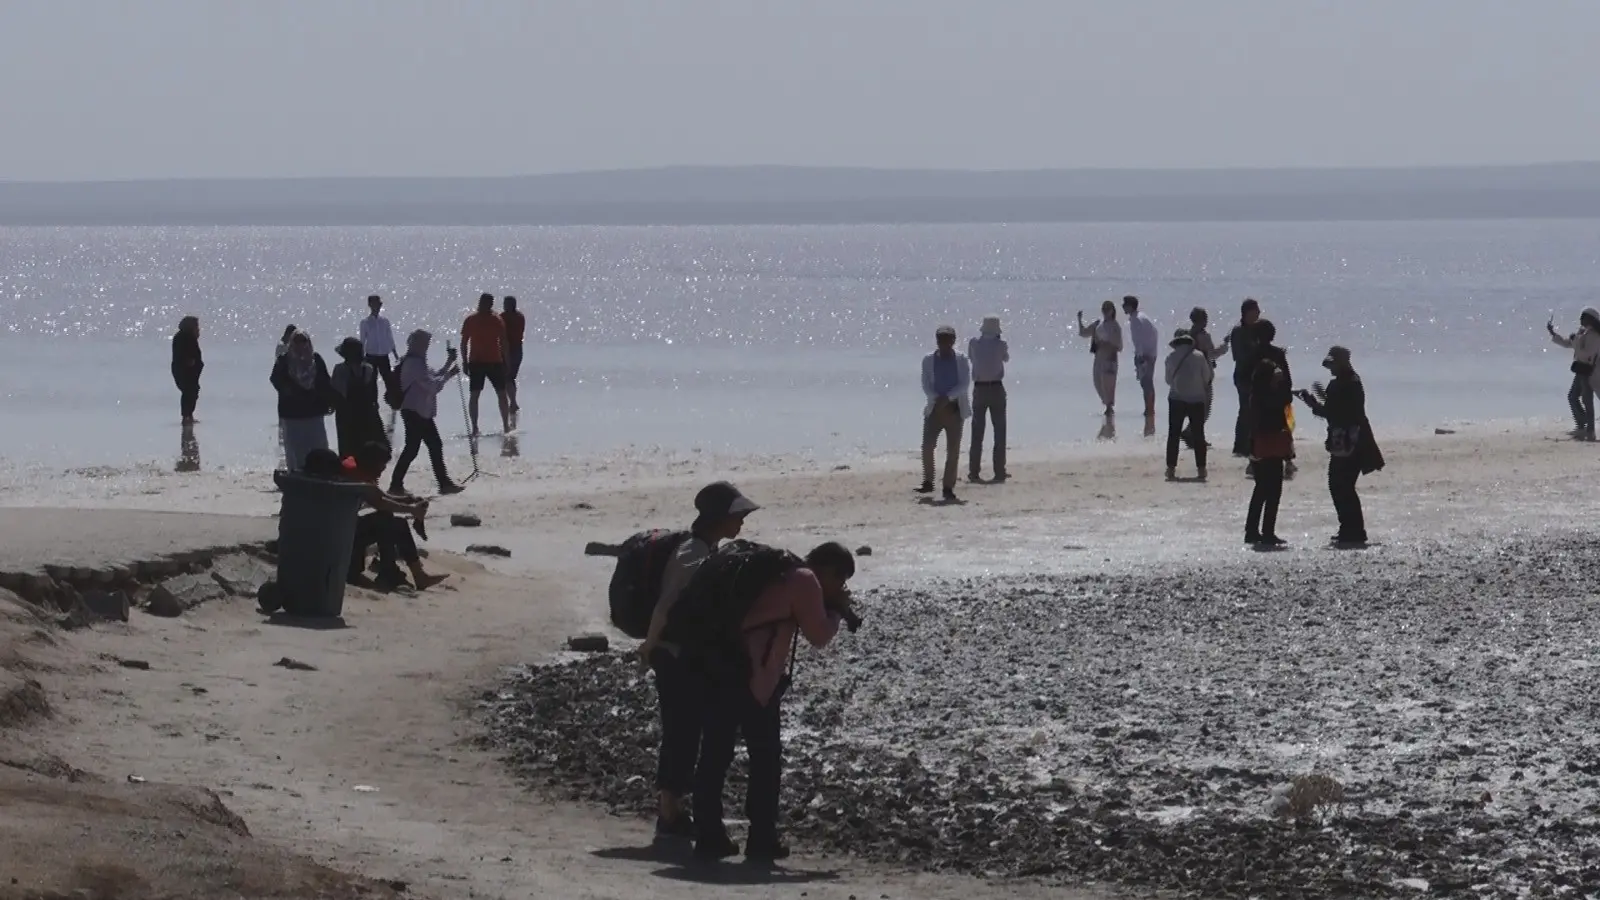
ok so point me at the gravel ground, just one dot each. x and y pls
(1133, 729)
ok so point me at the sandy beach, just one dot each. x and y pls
(403, 700)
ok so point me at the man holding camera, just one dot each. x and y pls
(809, 600)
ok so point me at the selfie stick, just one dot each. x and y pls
(466, 418)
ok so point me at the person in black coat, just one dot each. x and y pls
(305, 393)
(1243, 342)
(187, 365)
(1271, 447)
(1352, 449)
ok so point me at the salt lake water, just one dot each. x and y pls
(766, 339)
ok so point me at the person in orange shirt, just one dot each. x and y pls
(516, 325)
(483, 346)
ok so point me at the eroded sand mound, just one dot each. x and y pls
(68, 835)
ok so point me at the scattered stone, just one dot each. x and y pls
(465, 520)
(112, 605)
(241, 575)
(488, 550)
(863, 550)
(295, 664)
(583, 504)
(1444, 431)
(177, 595)
(596, 548)
(1176, 672)
(134, 664)
(589, 643)
(841, 468)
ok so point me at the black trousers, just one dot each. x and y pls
(188, 392)
(1343, 473)
(392, 537)
(1242, 437)
(679, 697)
(419, 431)
(1186, 421)
(728, 714)
(1581, 398)
(383, 365)
(1263, 517)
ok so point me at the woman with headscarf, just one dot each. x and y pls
(419, 405)
(1352, 450)
(1271, 445)
(187, 365)
(304, 389)
(1585, 347)
(356, 387)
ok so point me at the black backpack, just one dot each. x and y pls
(636, 583)
(392, 395)
(708, 621)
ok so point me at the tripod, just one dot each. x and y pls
(472, 434)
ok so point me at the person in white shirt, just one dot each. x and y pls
(1105, 342)
(377, 338)
(1146, 345)
(988, 355)
(1585, 347)
(947, 385)
(1189, 377)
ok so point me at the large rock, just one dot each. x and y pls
(488, 550)
(465, 520)
(176, 595)
(241, 575)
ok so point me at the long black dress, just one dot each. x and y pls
(356, 418)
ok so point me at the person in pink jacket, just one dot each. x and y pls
(807, 601)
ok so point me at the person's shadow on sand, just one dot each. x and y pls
(941, 501)
(682, 866)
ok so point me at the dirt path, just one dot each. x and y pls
(387, 706)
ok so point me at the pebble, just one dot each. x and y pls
(1236, 670)
(465, 520)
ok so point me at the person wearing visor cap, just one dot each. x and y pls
(1352, 449)
(720, 510)
(947, 386)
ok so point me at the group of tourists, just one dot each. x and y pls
(959, 386)
(372, 372)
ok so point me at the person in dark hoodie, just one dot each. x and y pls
(301, 379)
(1266, 333)
(1352, 449)
(357, 384)
(1271, 446)
(1244, 341)
(187, 365)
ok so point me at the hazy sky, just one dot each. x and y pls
(112, 89)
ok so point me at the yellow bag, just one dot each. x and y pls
(1288, 417)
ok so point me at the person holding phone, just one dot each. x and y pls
(1105, 344)
(1352, 449)
(1585, 347)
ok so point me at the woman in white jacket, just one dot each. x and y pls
(1585, 347)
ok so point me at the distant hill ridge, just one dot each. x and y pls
(785, 194)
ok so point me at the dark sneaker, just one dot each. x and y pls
(974, 478)
(999, 477)
(711, 848)
(1272, 540)
(766, 852)
(679, 829)
(398, 489)
(446, 490)
(1252, 538)
(925, 488)
(950, 496)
